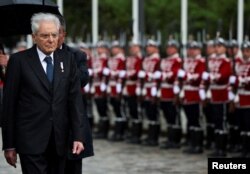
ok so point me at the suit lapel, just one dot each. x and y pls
(36, 66)
(58, 70)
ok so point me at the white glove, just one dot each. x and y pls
(141, 74)
(176, 89)
(232, 80)
(231, 96)
(157, 75)
(86, 88)
(122, 74)
(153, 91)
(202, 94)
(181, 73)
(167, 75)
(103, 87)
(205, 75)
(105, 71)
(118, 88)
(90, 72)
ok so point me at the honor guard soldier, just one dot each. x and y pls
(87, 95)
(233, 119)
(116, 65)
(243, 99)
(99, 88)
(150, 64)
(169, 67)
(194, 65)
(133, 66)
(220, 71)
(205, 95)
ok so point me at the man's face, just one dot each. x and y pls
(246, 53)
(220, 49)
(134, 50)
(210, 50)
(151, 49)
(61, 37)
(170, 50)
(46, 37)
(116, 50)
(101, 50)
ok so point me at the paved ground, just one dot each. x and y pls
(121, 158)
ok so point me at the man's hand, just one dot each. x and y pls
(77, 147)
(11, 157)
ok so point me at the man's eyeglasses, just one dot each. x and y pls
(47, 36)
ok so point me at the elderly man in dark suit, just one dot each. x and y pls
(73, 163)
(41, 102)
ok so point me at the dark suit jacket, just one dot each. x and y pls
(81, 61)
(33, 106)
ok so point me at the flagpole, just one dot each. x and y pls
(184, 26)
(60, 6)
(94, 21)
(240, 25)
(135, 15)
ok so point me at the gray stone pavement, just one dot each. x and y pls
(121, 158)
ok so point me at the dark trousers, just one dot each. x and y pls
(73, 166)
(219, 114)
(133, 106)
(48, 162)
(117, 106)
(192, 112)
(208, 114)
(169, 111)
(151, 110)
(102, 106)
(244, 117)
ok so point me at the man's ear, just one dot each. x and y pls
(33, 37)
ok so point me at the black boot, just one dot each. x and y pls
(234, 139)
(221, 143)
(187, 139)
(103, 129)
(136, 131)
(192, 142)
(153, 135)
(199, 136)
(209, 136)
(177, 134)
(168, 144)
(118, 135)
(244, 148)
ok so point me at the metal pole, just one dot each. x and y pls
(60, 6)
(135, 15)
(94, 21)
(240, 21)
(184, 27)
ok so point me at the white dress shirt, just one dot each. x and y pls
(42, 57)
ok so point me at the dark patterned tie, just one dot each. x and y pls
(49, 68)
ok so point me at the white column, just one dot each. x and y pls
(240, 25)
(94, 21)
(135, 16)
(60, 5)
(184, 26)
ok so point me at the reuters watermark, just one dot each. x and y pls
(228, 166)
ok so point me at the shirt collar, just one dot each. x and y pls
(42, 55)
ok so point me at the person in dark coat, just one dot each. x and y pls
(41, 103)
(3, 64)
(74, 162)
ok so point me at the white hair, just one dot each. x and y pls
(37, 18)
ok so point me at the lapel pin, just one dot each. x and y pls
(61, 65)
